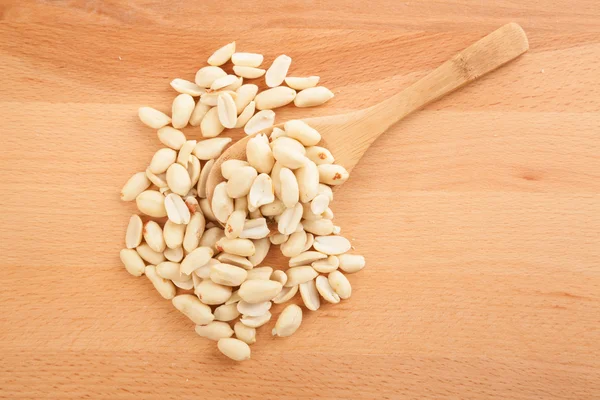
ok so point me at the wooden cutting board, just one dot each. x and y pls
(479, 216)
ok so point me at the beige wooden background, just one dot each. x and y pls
(479, 216)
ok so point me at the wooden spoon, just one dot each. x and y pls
(348, 136)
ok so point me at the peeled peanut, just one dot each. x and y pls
(288, 322)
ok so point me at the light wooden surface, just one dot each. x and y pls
(479, 216)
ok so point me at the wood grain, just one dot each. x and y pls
(479, 216)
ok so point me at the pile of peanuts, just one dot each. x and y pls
(206, 256)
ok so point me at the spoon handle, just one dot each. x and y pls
(483, 56)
